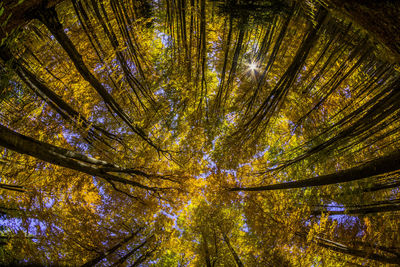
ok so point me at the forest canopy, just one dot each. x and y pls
(198, 133)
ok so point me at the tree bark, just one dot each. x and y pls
(361, 211)
(48, 16)
(64, 157)
(103, 255)
(377, 166)
(16, 188)
(66, 111)
(233, 252)
(131, 252)
(334, 246)
(206, 251)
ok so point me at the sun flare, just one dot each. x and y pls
(253, 66)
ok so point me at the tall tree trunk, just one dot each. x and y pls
(103, 255)
(232, 250)
(50, 19)
(11, 187)
(377, 166)
(131, 252)
(273, 102)
(207, 257)
(65, 158)
(66, 111)
(362, 210)
(334, 246)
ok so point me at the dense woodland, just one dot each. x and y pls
(196, 133)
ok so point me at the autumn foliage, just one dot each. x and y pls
(196, 133)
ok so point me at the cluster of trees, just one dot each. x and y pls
(194, 132)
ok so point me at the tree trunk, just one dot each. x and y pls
(49, 18)
(377, 166)
(233, 252)
(66, 111)
(63, 157)
(16, 188)
(103, 255)
(334, 246)
(131, 252)
(206, 250)
(361, 211)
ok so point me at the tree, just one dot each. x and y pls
(205, 133)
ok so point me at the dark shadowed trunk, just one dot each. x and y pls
(103, 255)
(232, 250)
(66, 111)
(207, 257)
(50, 19)
(65, 158)
(131, 252)
(377, 166)
(341, 248)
